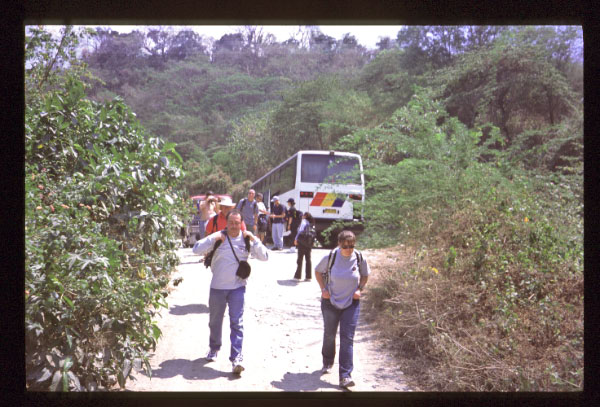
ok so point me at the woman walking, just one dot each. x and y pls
(342, 275)
(304, 247)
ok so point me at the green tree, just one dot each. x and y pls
(101, 227)
(515, 88)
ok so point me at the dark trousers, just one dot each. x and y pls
(289, 240)
(303, 252)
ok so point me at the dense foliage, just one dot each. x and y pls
(472, 144)
(101, 227)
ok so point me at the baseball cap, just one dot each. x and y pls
(276, 198)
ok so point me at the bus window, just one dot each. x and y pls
(284, 179)
(330, 169)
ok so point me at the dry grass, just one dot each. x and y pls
(451, 335)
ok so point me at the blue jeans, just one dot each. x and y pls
(277, 232)
(217, 301)
(347, 319)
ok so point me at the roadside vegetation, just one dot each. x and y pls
(471, 139)
(101, 228)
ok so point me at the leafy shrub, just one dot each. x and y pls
(489, 293)
(101, 229)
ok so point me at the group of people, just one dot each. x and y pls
(342, 275)
(212, 213)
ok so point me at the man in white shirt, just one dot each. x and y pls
(226, 288)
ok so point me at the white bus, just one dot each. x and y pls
(324, 183)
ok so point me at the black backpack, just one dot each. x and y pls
(307, 237)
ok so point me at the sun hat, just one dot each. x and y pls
(225, 201)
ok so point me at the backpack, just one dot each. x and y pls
(244, 203)
(307, 237)
(214, 223)
(262, 222)
(331, 261)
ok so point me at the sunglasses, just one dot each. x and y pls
(348, 247)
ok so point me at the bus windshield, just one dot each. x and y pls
(330, 169)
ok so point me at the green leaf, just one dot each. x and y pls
(68, 363)
(121, 379)
(69, 302)
(65, 382)
(156, 332)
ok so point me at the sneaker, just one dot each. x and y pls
(297, 278)
(212, 355)
(236, 366)
(292, 250)
(308, 279)
(326, 369)
(275, 248)
(346, 382)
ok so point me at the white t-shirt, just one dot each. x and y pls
(261, 207)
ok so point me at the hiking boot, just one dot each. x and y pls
(346, 382)
(212, 355)
(326, 369)
(236, 366)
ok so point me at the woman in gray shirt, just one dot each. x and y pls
(342, 275)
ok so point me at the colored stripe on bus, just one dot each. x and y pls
(319, 196)
(327, 199)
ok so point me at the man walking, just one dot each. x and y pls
(249, 209)
(226, 288)
(277, 215)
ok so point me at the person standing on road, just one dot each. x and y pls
(219, 221)
(262, 222)
(277, 215)
(342, 275)
(226, 288)
(249, 210)
(293, 217)
(304, 248)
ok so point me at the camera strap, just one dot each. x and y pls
(235, 255)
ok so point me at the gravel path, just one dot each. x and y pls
(283, 333)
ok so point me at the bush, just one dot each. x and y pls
(488, 293)
(101, 230)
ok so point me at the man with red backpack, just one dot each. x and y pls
(219, 221)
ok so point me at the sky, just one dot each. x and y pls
(366, 35)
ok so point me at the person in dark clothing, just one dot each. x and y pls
(277, 215)
(304, 251)
(293, 218)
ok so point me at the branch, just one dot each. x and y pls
(61, 45)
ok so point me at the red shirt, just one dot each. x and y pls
(221, 224)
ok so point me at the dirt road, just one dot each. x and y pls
(283, 333)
